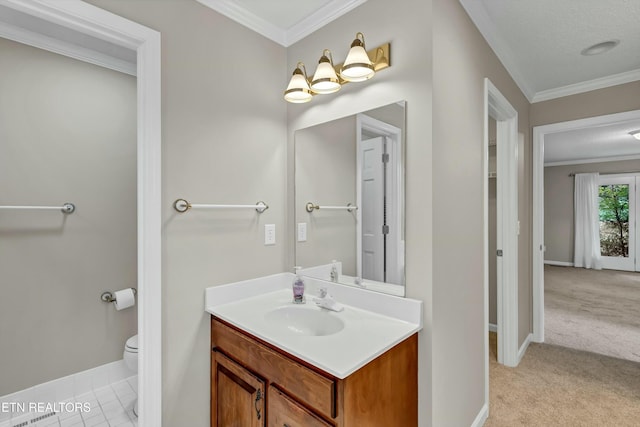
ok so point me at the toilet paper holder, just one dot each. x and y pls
(108, 295)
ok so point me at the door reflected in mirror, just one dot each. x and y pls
(349, 199)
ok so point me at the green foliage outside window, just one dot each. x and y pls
(614, 220)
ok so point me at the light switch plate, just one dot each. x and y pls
(269, 234)
(302, 232)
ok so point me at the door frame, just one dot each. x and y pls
(88, 19)
(395, 176)
(499, 108)
(539, 133)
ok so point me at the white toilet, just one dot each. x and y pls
(130, 357)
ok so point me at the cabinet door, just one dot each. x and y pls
(237, 396)
(284, 412)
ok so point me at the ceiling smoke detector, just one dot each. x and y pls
(599, 48)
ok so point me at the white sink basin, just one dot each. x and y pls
(305, 320)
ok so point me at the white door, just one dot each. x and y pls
(617, 205)
(372, 209)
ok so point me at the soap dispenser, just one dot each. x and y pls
(334, 271)
(298, 288)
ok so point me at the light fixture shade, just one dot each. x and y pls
(298, 90)
(325, 80)
(635, 134)
(357, 67)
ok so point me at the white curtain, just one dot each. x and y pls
(587, 222)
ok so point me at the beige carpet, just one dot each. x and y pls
(596, 311)
(558, 386)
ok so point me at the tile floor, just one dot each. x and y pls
(110, 406)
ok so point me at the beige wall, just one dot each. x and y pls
(610, 100)
(461, 61)
(68, 132)
(392, 114)
(223, 141)
(558, 204)
(325, 168)
(408, 78)
(217, 147)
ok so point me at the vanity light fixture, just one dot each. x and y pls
(359, 66)
(325, 80)
(635, 134)
(298, 90)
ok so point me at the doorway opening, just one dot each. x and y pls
(498, 108)
(540, 250)
(89, 21)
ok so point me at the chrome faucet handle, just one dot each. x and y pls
(322, 292)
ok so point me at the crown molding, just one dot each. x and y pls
(250, 20)
(478, 14)
(600, 83)
(41, 41)
(282, 36)
(329, 12)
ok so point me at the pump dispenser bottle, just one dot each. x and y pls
(298, 288)
(334, 271)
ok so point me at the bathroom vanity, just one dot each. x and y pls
(262, 385)
(274, 363)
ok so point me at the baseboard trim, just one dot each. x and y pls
(482, 416)
(559, 263)
(524, 346)
(493, 327)
(72, 385)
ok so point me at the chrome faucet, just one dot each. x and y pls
(326, 301)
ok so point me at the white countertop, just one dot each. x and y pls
(374, 322)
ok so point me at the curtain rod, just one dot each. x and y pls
(607, 173)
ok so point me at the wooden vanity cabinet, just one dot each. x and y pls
(256, 384)
(239, 395)
(284, 411)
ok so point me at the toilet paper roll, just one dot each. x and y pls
(124, 298)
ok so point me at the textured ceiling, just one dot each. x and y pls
(539, 42)
(598, 142)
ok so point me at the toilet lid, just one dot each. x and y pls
(132, 343)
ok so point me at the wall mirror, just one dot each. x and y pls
(349, 199)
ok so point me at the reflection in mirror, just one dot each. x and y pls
(349, 199)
